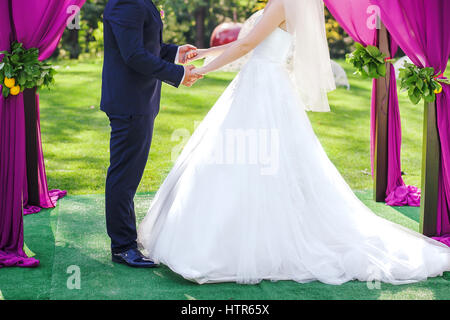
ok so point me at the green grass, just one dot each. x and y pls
(75, 136)
(75, 132)
(73, 234)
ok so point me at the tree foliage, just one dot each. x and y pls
(194, 20)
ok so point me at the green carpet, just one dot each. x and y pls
(73, 234)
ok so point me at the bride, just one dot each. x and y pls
(253, 196)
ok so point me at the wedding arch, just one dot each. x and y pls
(417, 26)
(23, 182)
(420, 29)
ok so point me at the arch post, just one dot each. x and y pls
(431, 152)
(31, 130)
(380, 161)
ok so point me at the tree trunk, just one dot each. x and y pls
(200, 15)
(73, 44)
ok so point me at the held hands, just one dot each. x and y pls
(190, 76)
(184, 51)
(187, 54)
(196, 54)
(200, 71)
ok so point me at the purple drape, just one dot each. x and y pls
(47, 198)
(12, 165)
(353, 18)
(358, 19)
(37, 24)
(39, 27)
(421, 29)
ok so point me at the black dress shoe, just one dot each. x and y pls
(133, 258)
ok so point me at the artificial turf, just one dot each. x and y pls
(73, 234)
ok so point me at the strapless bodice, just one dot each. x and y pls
(275, 47)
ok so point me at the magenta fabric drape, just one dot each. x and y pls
(12, 165)
(443, 120)
(397, 193)
(352, 16)
(421, 29)
(37, 24)
(357, 18)
(47, 198)
(39, 27)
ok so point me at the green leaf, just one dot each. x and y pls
(366, 69)
(415, 99)
(373, 51)
(430, 98)
(8, 71)
(5, 91)
(420, 84)
(409, 81)
(15, 58)
(429, 72)
(359, 45)
(21, 79)
(382, 70)
(16, 45)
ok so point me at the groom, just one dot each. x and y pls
(136, 61)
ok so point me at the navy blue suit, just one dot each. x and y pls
(136, 62)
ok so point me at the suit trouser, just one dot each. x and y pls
(131, 137)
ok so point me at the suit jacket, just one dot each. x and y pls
(136, 60)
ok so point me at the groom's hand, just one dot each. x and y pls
(183, 53)
(189, 77)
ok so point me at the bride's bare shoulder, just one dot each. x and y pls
(277, 5)
(270, 3)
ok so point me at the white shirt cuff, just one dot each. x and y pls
(177, 56)
(176, 61)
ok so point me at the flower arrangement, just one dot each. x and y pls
(369, 61)
(421, 83)
(161, 12)
(21, 69)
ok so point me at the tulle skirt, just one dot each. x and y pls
(253, 196)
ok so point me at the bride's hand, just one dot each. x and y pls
(200, 71)
(196, 55)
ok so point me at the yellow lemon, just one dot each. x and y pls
(439, 90)
(15, 90)
(9, 83)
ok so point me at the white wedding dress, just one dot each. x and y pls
(273, 207)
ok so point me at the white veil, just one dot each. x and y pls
(312, 72)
